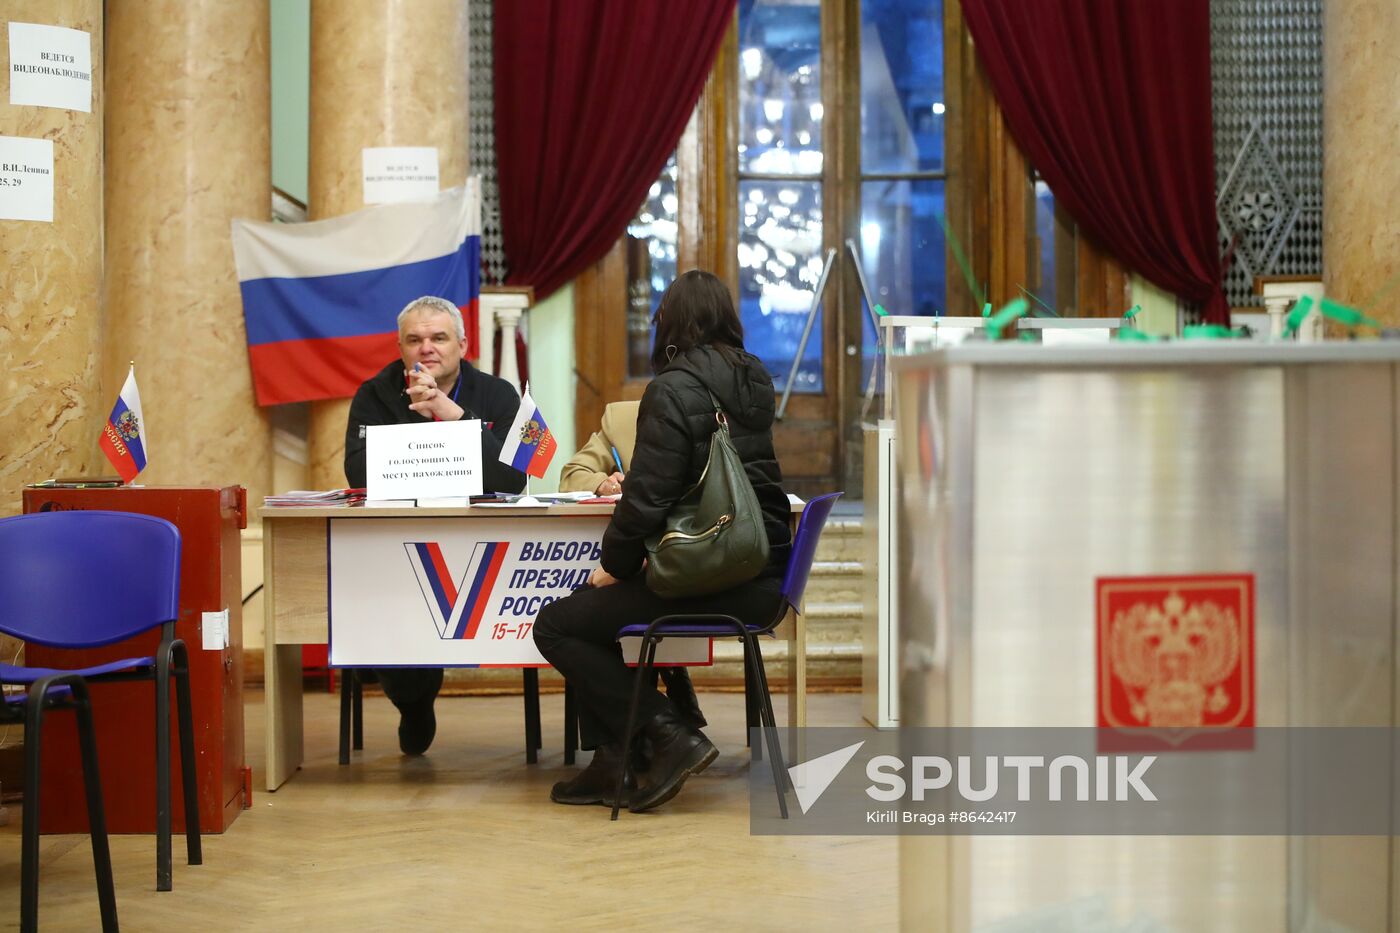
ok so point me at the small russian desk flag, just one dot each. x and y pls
(530, 446)
(124, 436)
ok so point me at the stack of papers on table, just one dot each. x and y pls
(541, 500)
(514, 502)
(312, 497)
(562, 496)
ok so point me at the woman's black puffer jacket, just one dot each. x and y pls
(674, 425)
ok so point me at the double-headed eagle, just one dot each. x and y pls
(128, 426)
(1173, 659)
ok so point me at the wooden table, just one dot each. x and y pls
(296, 599)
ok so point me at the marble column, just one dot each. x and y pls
(383, 73)
(188, 149)
(1361, 173)
(50, 290)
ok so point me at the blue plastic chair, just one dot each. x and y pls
(50, 692)
(84, 579)
(719, 625)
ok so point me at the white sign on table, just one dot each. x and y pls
(451, 593)
(50, 66)
(423, 461)
(26, 179)
(399, 173)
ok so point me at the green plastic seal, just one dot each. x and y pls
(1010, 312)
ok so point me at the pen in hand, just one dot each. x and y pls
(410, 386)
(612, 485)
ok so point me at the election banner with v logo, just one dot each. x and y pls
(460, 591)
(456, 608)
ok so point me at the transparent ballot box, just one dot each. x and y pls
(907, 335)
(1047, 499)
(899, 335)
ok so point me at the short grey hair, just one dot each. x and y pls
(434, 305)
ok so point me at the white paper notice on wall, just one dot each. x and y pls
(400, 173)
(214, 630)
(26, 179)
(50, 66)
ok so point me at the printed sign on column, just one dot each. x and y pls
(26, 179)
(50, 66)
(1175, 657)
(460, 592)
(399, 173)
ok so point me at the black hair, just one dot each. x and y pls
(696, 310)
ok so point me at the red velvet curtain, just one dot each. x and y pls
(1110, 100)
(591, 98)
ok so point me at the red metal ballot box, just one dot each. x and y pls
(209, 520)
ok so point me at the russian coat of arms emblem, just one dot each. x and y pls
(1176, 653)
(128, 426)
(531, 432)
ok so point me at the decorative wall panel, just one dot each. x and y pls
(482, 148)
(1266, 69)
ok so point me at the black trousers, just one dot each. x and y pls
(413, 686)
(578, 635)
(409, 686)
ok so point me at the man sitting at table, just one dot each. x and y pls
(430, 382)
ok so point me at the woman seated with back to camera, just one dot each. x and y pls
(698, 350)
(598, 467)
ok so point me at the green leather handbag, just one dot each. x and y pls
(714, 537)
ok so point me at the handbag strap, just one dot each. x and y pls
(720, 417)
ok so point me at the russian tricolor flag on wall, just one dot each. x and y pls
(321, 299)
(124, 435)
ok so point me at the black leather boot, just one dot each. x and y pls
(681, 693)
(596, 783)
(677, 752)
(417, 726)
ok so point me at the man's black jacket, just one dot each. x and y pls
(674, 425)
(382, 400)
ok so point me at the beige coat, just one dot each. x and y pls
(594, 463)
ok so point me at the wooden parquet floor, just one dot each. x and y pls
(466, 838)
